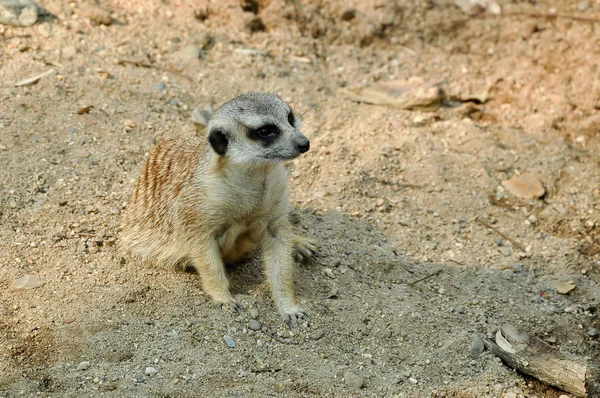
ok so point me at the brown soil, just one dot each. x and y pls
(394, 196)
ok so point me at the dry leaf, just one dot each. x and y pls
(27, 282)
(525, 186)
(85, 109)
(503, 343)
(564, 287)
(413, 93)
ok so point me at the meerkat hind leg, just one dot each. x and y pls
(305, 248)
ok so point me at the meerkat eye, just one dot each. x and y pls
(291, 118)
(265, 132)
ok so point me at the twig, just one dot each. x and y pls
(555, 16)
(266, 370)
(508, 238)
(426, 277)
(134, 62)
(456, 262)
(276, 338)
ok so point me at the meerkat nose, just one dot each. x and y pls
(304, 147)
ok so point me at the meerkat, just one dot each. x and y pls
(215, 200)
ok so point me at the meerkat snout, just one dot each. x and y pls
(208, 202)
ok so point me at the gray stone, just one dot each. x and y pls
(158, 87)
(85, 365)
(18, 12)
(592, 332)
(253, 313)
(150, 371)
(505, 250)
(230, 342)
(476, 345)
(254, 324)
(317, 335)
(353, 380)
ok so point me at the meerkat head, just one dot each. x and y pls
(256, 127)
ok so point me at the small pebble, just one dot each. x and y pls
(150, 371)
(254, 324)
(476, 345)
(532, 219)
(85, 365)
(459, 310)
(158, 87)
(230, 342)
(505, 250)
(317, 335)
(584, 5)
(253, 313)
(592, 332)
(353, 380)
(190, 52)
(413, 380)
(124, 322)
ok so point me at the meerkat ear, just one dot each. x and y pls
(218, 141)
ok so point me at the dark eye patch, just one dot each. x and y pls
(266, 134)
(291, 118)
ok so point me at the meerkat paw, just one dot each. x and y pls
(305, 248)
(230, 305)
(293, 315)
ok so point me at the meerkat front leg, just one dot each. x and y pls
(277, 251)
(207, 260)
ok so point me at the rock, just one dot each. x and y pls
(584, 5)
(94, 13)
(413, 380)
(201, 117)
(254, 324)
(473, 7)
(317, 335)
(532, 219)
(18, 12)
(150, 371)
(525, 186)
(353, 380)
(27, 282)
(230, 342)
(253, 313)
(69, 51)
(85, 365)
(476, 345)
(593, 332)
(128, 125)
(505, 250)
(158, 87)
(45, 29)
(189, 52)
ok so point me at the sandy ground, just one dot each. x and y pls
(393, 195)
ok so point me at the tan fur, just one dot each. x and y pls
(192, 204)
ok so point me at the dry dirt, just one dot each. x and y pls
(393, 195)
